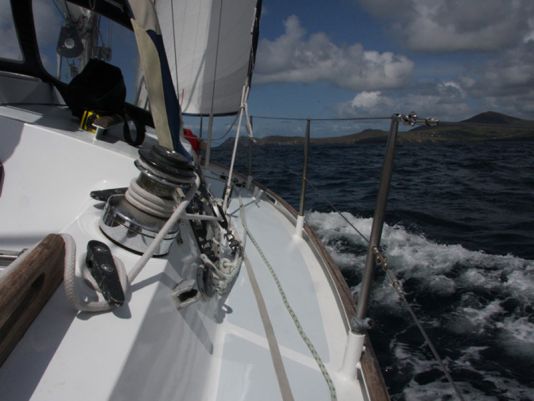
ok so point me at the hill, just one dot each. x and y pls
(485, 126)
(492, 117)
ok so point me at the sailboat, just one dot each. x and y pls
(143, 271)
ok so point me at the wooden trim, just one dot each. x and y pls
(26, 287)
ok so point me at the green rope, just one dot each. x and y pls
(296, 321)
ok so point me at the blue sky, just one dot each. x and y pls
(449, 59)
(445, 58)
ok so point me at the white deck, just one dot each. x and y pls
(147, 350)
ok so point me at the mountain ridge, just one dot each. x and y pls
(489, 125)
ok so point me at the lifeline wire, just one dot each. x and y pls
(228, 130)
(333, 207)
(296, 321)
(322, 119)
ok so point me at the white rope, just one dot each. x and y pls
(70, 280)
(148, 202)
(223, 276)
(292, 314)
(164, 230)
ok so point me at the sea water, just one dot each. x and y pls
(459, 235)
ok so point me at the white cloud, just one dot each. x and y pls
(450, 25)
(366, 100)
(445, 100)
(296, 56)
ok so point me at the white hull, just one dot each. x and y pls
(214, 349)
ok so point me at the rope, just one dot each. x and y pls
(71, 289)
(296, 321)
(148, 202)
(222, 277)
(178, 212)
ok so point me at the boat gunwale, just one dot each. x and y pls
(374, 380)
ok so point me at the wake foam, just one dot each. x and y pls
(488, 299)
(439, 267)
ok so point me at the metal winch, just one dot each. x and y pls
(133, 219)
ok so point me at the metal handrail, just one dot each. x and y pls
(378, 224)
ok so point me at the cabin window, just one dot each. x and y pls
(69, 35)
(9, 45)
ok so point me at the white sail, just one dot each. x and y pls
(209, 46)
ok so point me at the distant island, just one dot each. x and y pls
(485, 126)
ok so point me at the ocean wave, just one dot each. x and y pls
(444, 268)
(478, 304)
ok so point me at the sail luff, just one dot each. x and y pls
(190, 30)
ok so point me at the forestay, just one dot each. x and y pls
(210, 46)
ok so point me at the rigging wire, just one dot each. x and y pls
(228, 130)
(322, 119)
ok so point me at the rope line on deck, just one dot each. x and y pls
(294, 317)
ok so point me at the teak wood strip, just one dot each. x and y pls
(25, 289)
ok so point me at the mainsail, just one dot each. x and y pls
(210, 46)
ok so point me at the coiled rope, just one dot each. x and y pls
(287, 305)
(148, 202)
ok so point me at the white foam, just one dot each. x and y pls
(414, 256)
(436, 268)
(439, 391)
(412, 361)
(517, 336)
(471, 320)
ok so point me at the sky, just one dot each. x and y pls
(449, 59)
